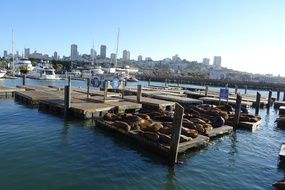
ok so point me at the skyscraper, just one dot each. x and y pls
(140, 58)
(103, 51)
(113, 58)
(217, 62)
(5, 54)
(55, 56)
(74, 53)
(27, 52)
(126, 55)
(206, 61)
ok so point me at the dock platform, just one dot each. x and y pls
(152, 103)
(220, 131)
(6, 92)
(277, 104)
(282, 152)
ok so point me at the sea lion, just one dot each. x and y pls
(197, 120)
(122, 125)
(166, 139)
(189, 132)
(166, 130)
(150, 136)
(218, 121)
(200, 128)
(188, 124)
(108, 117)
(143, 116)
(183, 138)
(164, 118)
(154, 127)
(143, 124)
(208, 127)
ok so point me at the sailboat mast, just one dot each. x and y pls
(13, 52)
(93, 54)
(118, 37)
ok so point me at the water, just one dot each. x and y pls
(42, 151)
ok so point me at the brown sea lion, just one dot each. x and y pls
(122, 125)
(108, 117)
(166, 130)
(150, 135)
(154, 127)
(143, 116)
(208, 127)
(189, 125)
(189, 132)
(143, 124)
(200, 128)
(166, 139)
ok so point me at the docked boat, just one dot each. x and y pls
(23, 66)
(43, 71)
(90, 73)
(2, 73)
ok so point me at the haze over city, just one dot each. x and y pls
(249, 35)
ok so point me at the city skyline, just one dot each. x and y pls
(247, 35)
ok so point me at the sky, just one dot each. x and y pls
(248, 34)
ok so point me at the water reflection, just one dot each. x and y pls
(233, 149)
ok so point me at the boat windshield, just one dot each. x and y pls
(49, 73)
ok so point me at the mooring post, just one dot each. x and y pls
(125, 82)
(245, 89)
(206, 90)
(257, 103)
(69, 81)
(165, 83)
(278, 95)
(269, 99)
(67, 98)
(123, 90)
(24, 80)
(88, 87)
(139, 93)
(284, 95)
(237, 111)
(236, 89)
(148, 82)
(106, 84)
(175, 138)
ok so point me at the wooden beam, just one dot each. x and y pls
(237, 111)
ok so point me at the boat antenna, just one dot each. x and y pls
(118, 37)
(13, 51)
(93, 54)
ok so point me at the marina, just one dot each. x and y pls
(50, 99)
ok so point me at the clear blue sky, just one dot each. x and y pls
(248, 34)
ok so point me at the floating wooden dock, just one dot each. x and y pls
(185, 102)
(159, 148)
(282, 110)
(282, 151)
(216, 101)
(220, 131)
(277, 104)
(250, 126)
(6, 92)
(152, 103)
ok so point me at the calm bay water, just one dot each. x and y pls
(43, 151)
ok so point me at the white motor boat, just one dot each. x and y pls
(2, 73)
(97, 71)
(23, 66)
(43, 71)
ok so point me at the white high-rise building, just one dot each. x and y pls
(27, 52)
(93, 53)
(206, 61)
(113, 58)
(74, 52)
(126, 55)
(217, 64)
(140, 58)
(103, 51)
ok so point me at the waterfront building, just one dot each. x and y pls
(206, 61)
(27, 52)
(74, 52)
(103, 51)
(140, 58)
(217, 64)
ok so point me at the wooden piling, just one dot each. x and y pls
(148, 82)
(257, 104)
(123, 90)
(67, 98)
(24, 80)
(284, 96)
(269, 99)
(175, 138)
(278, 95)
(69, 80)
(206, 90)
(236, 89)
(88, 87)
(106, 84)
(237, 111)
(139, 93)
(245, 89)
(165, 83)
